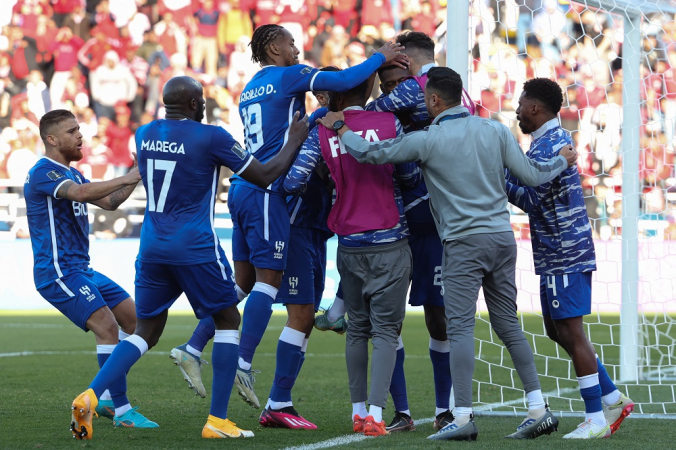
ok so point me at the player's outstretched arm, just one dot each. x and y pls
(114, 200)
(91, 192)
(263, 175)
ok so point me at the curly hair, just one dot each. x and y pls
(261, 39)
(417, 41)
(546, 91)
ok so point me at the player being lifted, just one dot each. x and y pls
(563, 250)
(260, 218)
(179, 161)
(56, 205)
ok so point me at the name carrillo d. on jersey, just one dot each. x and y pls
(256, 92)
(163, 146)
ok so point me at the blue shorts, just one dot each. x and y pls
(426, 284)
(260, 227)
(80, 293)
(209, 288)
(303, 280)
(566, 296)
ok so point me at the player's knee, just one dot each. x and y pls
(436, 325)
(106, 329)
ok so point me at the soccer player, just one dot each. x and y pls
(462, 158)
(563, 250)
(56, 204)
(179, 161)
(374, 259)
(259, 214)
(406, 98)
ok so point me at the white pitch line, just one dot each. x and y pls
(351, 438)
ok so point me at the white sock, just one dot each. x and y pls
(121, 335)
(611, 398)
(122, 409)
(406, 411)
(193, 351)
(359, 409)
(462, 415)
(376, 412)
(337, 310)
(105, 396)
(241, 295)
(243, 364)
(535, 400)
(279, 405)
(597, 417)
(438, 411)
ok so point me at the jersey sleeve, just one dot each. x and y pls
(301, 170)
(404, 98)
(297, 79)
(47, 180)
(226, 151)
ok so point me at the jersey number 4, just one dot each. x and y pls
(157, 165)
(253, 127)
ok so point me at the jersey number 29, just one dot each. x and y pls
(253, 127)
(156, 165)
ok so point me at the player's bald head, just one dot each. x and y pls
(181, 90)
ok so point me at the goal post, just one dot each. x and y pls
(640, 345)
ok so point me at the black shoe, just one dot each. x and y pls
(443, 419)
(401, 422)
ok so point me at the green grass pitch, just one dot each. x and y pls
(36, 390)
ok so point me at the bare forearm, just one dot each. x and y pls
(91, 192)
(114, 200)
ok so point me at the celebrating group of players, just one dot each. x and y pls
(414, 186)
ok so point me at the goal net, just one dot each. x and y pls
(581, 46)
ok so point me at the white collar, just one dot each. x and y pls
(354, 108)
(549, 125)
(424, 69)
(57, 163)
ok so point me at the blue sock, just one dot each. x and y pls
(224, 362)
(288, 363)
(257, 312)
(607, 385)
(398, 383)
(117, 365)
(441, 367)
(302, 356)
(118, 389)
(590, 390)
(203, 333)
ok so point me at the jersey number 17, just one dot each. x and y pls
(153, 166)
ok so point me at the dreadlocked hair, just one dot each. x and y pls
(261, 39)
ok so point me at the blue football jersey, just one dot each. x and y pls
(59, 228)
(267, 106)
(179, 163)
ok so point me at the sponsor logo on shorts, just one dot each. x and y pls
(293, 283)
(279, 246)
(87, 292)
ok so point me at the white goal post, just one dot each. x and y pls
(652, 375)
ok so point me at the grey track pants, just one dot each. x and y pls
(375, 283)
(487, 260)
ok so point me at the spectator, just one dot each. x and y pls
(234, 23)
(37, 94)
(118, 135)
(91, 53)
(171, 36)
(62, 8)
(79, 21)
(333, 52)
(205, 43)
(64, 48)
(111, 83)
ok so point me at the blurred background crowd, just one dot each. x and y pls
(107, 61)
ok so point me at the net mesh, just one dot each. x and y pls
(581, 48)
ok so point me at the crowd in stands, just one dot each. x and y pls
(107, 62)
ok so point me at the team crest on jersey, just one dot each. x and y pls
(239, 151)
(54, 175)
(306, 70)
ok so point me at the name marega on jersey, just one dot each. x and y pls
(162, 146)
